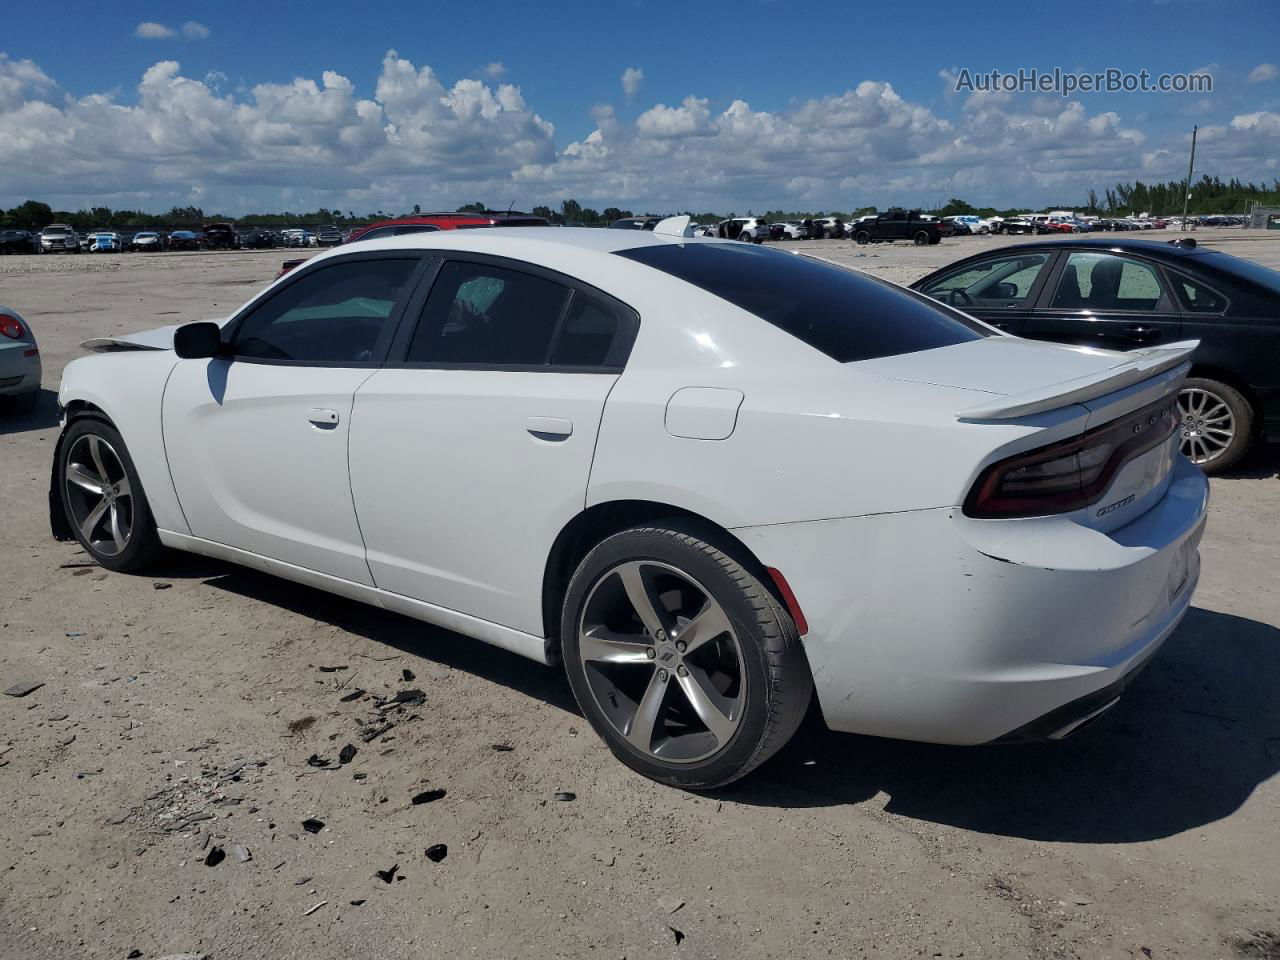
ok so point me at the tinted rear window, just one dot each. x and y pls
(1256, 273)
(848, 316)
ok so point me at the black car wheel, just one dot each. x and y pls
(921, 238)
(1217, 424)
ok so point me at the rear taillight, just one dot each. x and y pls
(1073, 473)
(12, 327)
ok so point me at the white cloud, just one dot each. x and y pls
(632, 77)
(418, 138)
(1264, 72)
(149, 30)
(195, 31)
(495, 69)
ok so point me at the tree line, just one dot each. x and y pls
(1208, 195)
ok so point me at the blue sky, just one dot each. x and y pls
(732, 106)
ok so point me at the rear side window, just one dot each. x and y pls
(848, 316)
(1196, 297)
(478, 313)
(585, 340)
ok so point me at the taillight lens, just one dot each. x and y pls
(1073, 473)
(12, 327)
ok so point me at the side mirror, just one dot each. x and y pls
(197, 341)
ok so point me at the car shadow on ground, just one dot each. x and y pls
(1192, 738)
(44, 416)
(412, 637)
(1190, 741)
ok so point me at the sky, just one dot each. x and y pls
(650, 106)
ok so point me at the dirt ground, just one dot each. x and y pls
(179, 710)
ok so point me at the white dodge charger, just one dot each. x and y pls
(712, 479)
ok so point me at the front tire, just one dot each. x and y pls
(1217, 424)
(680, 658)
(102, 497)
(921, 238)
(862, 237)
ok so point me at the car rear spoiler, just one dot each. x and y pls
(1136, 366)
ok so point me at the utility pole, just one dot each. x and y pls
(1186, 194)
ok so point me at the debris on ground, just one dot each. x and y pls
(312, 825)
(215, 857)
(386, 876)
(502, 747)
(24, 687)
(566, 796)
(353, 695)
(161, 585)
(670, 904)
(347, 753)
(407, 674)
(311, 910)
(437, 852)
(334, 669)
(243, 853)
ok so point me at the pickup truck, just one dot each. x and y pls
(898, 225)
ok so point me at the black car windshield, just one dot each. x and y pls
(1255, 273)
(847, 315)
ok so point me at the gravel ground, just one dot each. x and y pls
(179, 712)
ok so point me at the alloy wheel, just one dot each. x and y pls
(99, 495)
(662, 661)
(1208, 425)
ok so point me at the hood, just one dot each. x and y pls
(1011, 377)
(161, 338)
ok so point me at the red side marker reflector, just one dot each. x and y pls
(789, 598)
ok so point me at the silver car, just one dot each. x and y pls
(19, 362)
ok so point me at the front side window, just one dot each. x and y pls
(340, 313)
(845, 314)
(1002, 282)
(488, 315)
(1103, 281)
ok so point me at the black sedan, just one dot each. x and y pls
(1122, 294)
(19, 241)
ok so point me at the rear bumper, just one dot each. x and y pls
(921, 630)
(18, 373)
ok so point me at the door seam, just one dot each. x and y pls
(351, 487)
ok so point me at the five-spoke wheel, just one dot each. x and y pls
(680, 656)
(102, 498)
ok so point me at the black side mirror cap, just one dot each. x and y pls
(197, 341)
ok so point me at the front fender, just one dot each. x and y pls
(128, 389)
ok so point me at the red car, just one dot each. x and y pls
(420, 223)
(1061, 226)
(426, 222)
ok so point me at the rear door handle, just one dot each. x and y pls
(323, 419)
(1141, 334)
(549, 428)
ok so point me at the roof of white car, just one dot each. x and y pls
(593, 239)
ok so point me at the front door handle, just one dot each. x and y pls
(322, 419)
(549, 428)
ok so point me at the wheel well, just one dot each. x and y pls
(593, 525)
(1210, 372)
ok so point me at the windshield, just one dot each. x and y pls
(845, 314)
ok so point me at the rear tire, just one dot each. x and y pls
(102, 497)
(921, 238)
(645, 693)
(1217, 424)
(862, 237)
